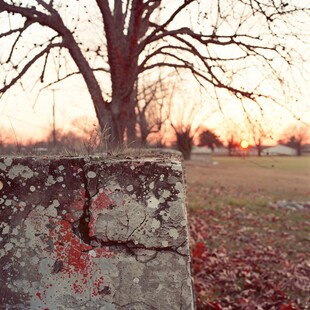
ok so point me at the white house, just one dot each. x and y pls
(279, 150)
(201, 154)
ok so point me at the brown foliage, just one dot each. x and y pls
(240, 263)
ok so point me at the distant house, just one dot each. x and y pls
(222, 150)
(280, 150)
(201, 153)
(306, 149)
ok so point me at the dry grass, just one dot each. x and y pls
(259, 180)
(249, 185)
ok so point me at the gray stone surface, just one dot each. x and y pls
(93, 233)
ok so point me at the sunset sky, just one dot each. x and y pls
(28, 116)
(21, 116)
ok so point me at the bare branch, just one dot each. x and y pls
(44, 67)
(48, 7)
(162, 27)
(33, 15)
(29, 64)
(30, 13)
(70, 75)
(12, 31)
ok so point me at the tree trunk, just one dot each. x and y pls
(186, 153)
(123, 121)
(102, 107)
(184, 144)
(143, 125)
(132, 119)
(299, 149)
(131, 128)
(118, 122)
(123, 61)
(259, 150)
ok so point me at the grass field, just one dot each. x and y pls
(244, 251)
(239, 180)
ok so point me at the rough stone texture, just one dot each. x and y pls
(93, 233)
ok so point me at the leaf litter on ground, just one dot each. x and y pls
(250, 258)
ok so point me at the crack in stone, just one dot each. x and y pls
(130, 247)
(139, 226)
(81, 226)
(139, 257)
(82, 230)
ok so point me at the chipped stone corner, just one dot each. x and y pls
(94, 233)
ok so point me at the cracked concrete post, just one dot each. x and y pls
(93, 233)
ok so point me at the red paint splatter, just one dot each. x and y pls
(78, 288)
(104, 252)
(101, 202)
(78, 263)
(69, 249)
(98, 286)
(38, 294)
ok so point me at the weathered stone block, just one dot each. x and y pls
(93, 233)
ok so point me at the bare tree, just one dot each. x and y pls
(295, 136)
(186, 117)
(217, 42)
(232, 144)
(232, 135)
(153, 104)
(259, 132)
(184, 140)
(258, 138)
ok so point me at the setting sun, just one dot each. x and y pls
(244, 144)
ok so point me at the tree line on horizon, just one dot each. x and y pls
(88, 140)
